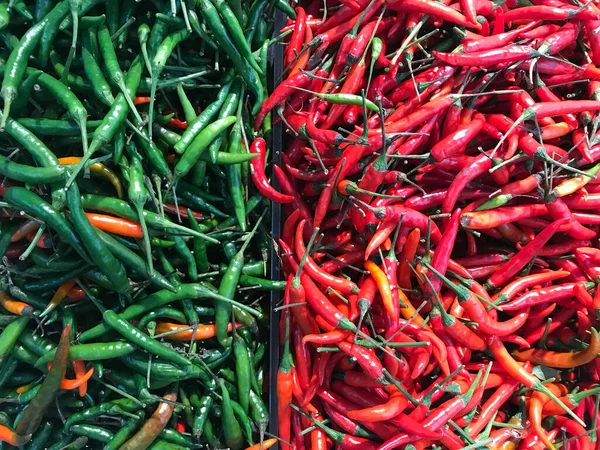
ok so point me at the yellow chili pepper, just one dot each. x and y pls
(99, 169)
(383, 285)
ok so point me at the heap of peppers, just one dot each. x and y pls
(134, 231)
(441, 246)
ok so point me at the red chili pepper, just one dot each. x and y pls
(257, 170)
(366, 359)
(497, 40)
(564, 12)
(456, 142)
(439, 10)
(281, 92)
(322, 277)
(176, 123)
(389, 410)
(488, 58)
(525, 255)
(297, 38)
(542, 295)
(289, 189)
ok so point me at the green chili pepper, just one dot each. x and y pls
(228, 158)
(41, 437)
(9, 337)
(250, 76)
(227, 289)
(188, 109)
(93, 432)
(126, 13)
(175, 437)
(117, 114)
(139, 196)
(163, 51)
(244, 420)
(134, 262)
(134, 335)
(17, 62)
(231, 427)
(270, 285)
(24, 93)
(255, 16)
(201, 142)
(37, 343)
(200, 253)
(121, 406)
(202, 407)
(122, 209)
(93, 72)
(100, 255)
(284, 7)
(42, 7)
(26, 200)
(124, 433)
(23, 354)
(242, 367)
(183, 250)
(91, 352)
(50, 127)
(206, 117)
(161, 298)
(160, 313)
(28, 174)
(64, 442)
(212, 440)
(8, 369)
(259, 413)
(234, 178)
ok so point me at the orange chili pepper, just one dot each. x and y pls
(58, 296)
(141, 100)
(14, 306)
(116, 225)
(383, 285)
(69, 385)
(285, 388)
(79, 369)
(406, 258)
(22, 389)
(536, 405)
(409, 312)
(43, 242)
(561, 360)
(555, 130)
(264, 445)
(10, 437)
(201, 331)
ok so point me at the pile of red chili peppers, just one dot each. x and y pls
(442, 198)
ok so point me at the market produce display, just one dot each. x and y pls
(441, 244)
(134, 278)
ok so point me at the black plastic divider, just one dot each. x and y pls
(276, 56)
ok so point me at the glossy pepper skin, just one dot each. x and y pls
(257, 170)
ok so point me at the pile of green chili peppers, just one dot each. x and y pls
(134, 250)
